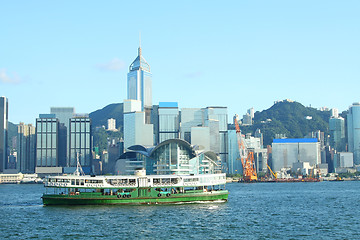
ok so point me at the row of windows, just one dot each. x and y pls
(46, 126)
(84, 157)
(46, 140)
(80, 126)
(46, 158)
(80, 140)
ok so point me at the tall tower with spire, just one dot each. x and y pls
(139, 82)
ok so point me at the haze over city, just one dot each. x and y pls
(238, 54)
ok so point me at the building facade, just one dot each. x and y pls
(136, 130)
(173, 156)
(220, 115)
(234, 161)
(26, 148)
(337, 133)
(63, 114)
(353, 123)
(169, 122)
(139, 85)
(287, 151)
(3, 133)
(190, 117)
(80, 143)
(111, 122)
(47, 141)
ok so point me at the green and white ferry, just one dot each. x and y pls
(133, 189)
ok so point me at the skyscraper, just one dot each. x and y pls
(353, 120)
(3, 133)
(80, 143)
(337, 133)
(169, 124)
(136, 130)
(63, 114)
(139, 85)
(26, 148)
(47, 137)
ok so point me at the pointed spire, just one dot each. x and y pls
(139, 51)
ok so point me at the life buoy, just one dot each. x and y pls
(118, 196)
(124, 196)
(168, 194)
(159, 195)
(129, 196)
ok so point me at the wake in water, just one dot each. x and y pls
(202, 202)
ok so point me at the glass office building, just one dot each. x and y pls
(353, 123)
(169, 124)
(140, 82)
(47, 137)
(219, 114)
(3, 133)
(337, 133)
(80, 142)
(26, 148)
(190, 117)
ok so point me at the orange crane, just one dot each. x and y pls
(246, 156)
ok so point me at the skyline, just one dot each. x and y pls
(237, 55)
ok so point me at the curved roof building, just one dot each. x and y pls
(173, 156)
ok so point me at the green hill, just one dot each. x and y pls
(100, 117)
(289, 118)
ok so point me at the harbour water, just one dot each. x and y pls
(319, 210)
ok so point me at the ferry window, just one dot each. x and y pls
(191, 179)
(77, 182)
(174, 180)
(82, 182)
(132, 181)
(125, 181)
(72, 181)
(165, 180)
(86, 181)
(156, 180)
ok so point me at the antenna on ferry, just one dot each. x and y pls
(79, 171)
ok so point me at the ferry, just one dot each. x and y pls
(134, 189)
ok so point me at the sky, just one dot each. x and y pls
(238, 54)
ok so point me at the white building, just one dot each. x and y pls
(111, 124)
(190, 117)
(136, 131)
(343, 160)
(287, 151)
(139, 85)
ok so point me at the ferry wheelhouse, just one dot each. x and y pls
(133, 189)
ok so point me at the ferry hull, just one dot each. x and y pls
(114, 200)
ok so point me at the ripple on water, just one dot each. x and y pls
(254, 211)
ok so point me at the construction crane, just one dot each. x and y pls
(246, 156)
(274, 174)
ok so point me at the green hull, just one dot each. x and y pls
(93, 199)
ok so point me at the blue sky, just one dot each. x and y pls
(239, 54)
